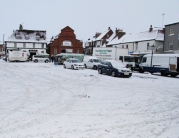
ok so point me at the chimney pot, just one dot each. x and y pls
(150, 29)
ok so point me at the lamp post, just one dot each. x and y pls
(92, 49)
(3, 44)
(152, 48)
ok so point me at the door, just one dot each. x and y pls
(108, 68)
(172, 64)
(90, 64)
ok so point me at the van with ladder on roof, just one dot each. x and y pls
(166, 64)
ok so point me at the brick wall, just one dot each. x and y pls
(67, 34)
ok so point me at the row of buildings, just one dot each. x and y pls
(164, 40)
(160, 40)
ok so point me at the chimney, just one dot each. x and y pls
(109, 28)
(150, 29)
(117, 31)
(20, 27)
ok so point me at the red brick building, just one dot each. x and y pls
(65, 42)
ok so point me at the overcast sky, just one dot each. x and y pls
(85, 16)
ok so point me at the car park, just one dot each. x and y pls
(40, 58)
(73, 63)
(114, 68)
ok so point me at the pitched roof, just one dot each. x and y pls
(37, 36)
(143, 36)
(102, 35)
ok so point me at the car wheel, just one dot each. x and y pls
(113, 74)
(64, 66)
(162, 73)
(99, 71)
(46, 61)
(72, 67)
(35, 60)
(174, 75)
(85, 66)
(95, 67)
(141, 70)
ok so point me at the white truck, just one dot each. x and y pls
(166, 64)
(17, 55)
(114, 53)
(91, 62)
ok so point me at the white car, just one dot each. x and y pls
(73, 63)
(40, 58)
(91, 62)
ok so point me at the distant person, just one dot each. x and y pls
(52, 58)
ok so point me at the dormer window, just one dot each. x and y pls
(27, 37)
(37, 38)
(18, 37)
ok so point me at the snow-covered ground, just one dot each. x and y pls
(40, 100)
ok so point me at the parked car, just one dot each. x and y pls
(114, 68)
(73, 63)
(40, 58)
(91, 62)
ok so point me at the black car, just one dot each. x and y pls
(114, 68)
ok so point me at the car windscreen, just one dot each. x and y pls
(128, 59)
(97, 60)
(75, 61)
(117, 64)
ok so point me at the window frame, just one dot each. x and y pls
(169, 46)
(171, 31)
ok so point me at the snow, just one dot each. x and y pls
(102, 35)
(32, 36)
(143, 36)
(40, 100)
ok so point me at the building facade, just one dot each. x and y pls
(171, 38)
(65, 42)
(32, 41)
(1, 49)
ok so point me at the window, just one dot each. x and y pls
(170, 44)
(24, 45)
(121, 58)
(126, 46)
(42, 45)
(171, 31)
(148, 46)
(144, 59)
(15, 44)
(33, 45)
(55, 51)
(42, 51)
(122, 46)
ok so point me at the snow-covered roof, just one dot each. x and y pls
(143, 36)
(172, 22)
(37, 36)
(102, 35)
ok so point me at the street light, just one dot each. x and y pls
(3, 43)
(152, 48)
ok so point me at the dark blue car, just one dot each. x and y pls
(114, 68)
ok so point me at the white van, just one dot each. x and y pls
(17, 55)
(91, 62)
(166, 64)
(128, 61)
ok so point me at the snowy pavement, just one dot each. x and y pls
(40, 100)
